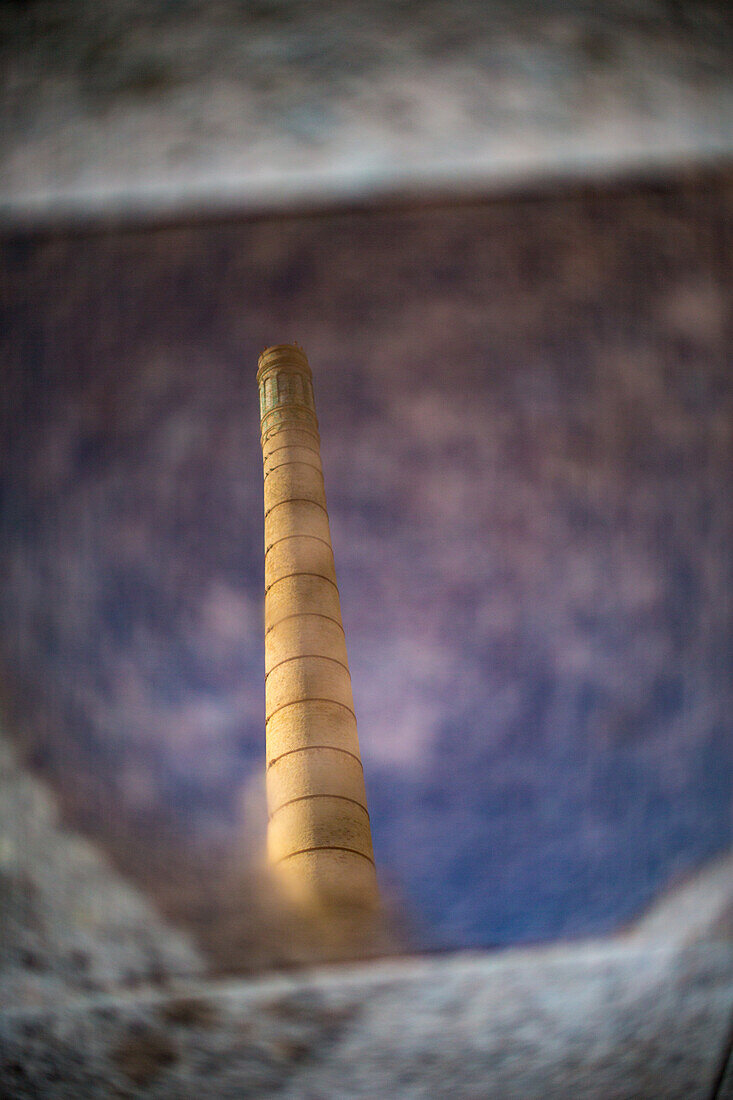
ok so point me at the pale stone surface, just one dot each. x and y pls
(700, 908)
(596, 1021)
(68, 922)
(116, 107)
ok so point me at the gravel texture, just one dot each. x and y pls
(121, 108)
(593, 1021)
(68, 923)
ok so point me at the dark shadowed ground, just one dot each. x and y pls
(525, 411)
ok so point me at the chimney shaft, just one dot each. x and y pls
(319, 839)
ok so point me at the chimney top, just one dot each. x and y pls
(285, 357)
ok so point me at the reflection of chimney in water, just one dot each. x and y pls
(319, 837)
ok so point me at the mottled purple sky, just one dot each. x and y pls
(525, 411)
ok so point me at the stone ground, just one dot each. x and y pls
(597, 1020)
(122, 108)
(68, 923)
